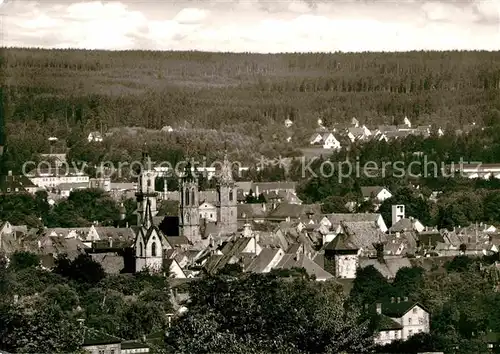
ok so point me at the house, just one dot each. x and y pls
(167, 129)
(65, 189)
(95, 137)
(410, 315)
(208, 212)
(103, 183)
(330, 142)
(334, 220)
(16, 184)
(97, 342)
(407, 224)
(51, 177)
(407, 122)
(358, 133)
(354, 122)
(288, 123)
(379, 194)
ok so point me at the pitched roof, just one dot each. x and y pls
(341, 243)
(363, 234)
(295, 211)
(404, 224)
(386, 323)
(263, 260)
(110, 262)
(337, 218)
(388, 269)
(95, 337)
(398, 309)
(301, 261)
(251, 211)
(370, 191)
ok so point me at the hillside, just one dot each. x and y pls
(69, 93)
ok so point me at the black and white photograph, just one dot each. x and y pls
(250, 176)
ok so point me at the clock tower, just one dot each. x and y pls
(146, 190)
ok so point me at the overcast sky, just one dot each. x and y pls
(253, 25)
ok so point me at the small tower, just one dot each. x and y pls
(146, 189)
(226, 199)
(189, 217)
(397, 213)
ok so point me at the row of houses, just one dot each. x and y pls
(343, 135)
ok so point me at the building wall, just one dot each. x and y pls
(227, 209)
(104, 349)
(346, 265)
(54, 181)
(208, 212)
(189, 215)
(386, 337)
(415, 321)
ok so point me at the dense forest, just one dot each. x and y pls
(211, 99)
(235, 312)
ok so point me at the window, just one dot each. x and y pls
(153, 249)
(415, 310)
(410, 332)
(211, 215)
(8, 190)
(396, 334)
(409, 321)
(140, 249)
(420, 330)
(149, 183)
(231, 195)
(101, 351)
(186, 199)
(192, 196)
(112, 351)
(421, 320)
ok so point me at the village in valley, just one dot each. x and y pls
(256, 227)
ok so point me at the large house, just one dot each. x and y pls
(400, 319)
(378, 193)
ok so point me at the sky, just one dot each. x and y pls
(261, 26)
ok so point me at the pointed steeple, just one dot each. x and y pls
(148, 216)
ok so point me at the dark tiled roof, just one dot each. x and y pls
(134, 345)
(367, 192)
(398, 309)
(110, 262)
(341, 243)
(95, 337)
(264, 258)
(386, 323)
(295, 211)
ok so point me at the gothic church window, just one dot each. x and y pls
(231, 195)
(153, 249)
(140, 249)
(192, 196)
(187, 197)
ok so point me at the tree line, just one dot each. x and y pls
(240, 99)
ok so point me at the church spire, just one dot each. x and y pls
(148, 216)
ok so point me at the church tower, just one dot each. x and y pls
(189, 218)
(146, 190)
(226, 199)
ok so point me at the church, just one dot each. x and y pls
(151, 243)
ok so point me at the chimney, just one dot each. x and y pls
(379, 308)
(392, 300)
(405, 299)
(399, 299)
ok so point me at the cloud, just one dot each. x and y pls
(253, 25)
